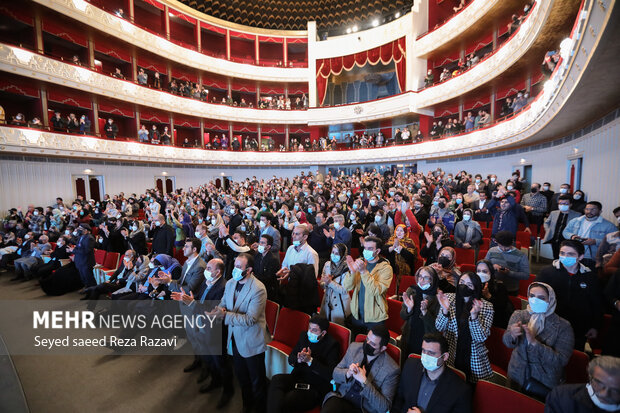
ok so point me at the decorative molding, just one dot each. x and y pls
(454, 27)
(128, 32)
(366, 111)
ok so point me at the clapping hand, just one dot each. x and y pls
(475, 308)
(360, 375)
(353, 368)
(283, 274)
(516, 330)
(444, 302)
(408, 301)
(304, 356)
(423, 306)
(182, 296)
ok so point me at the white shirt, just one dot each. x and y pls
(586, 226)
(305, 255)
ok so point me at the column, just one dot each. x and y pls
(256, 50)
(198, 37)
(91, 52)
(95, 120)
(38, 33)
(230, 135)
(202, 133)
(286, 135)
(134, 66)
(285, 52)
(229, 89)
(137, 115)
(44, 116)
(493, 105)
(257, 94)
(171, 127)
(312, 48)
(130, 9)
(166, 22)
(228, 44)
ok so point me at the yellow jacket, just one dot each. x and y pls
(376, 284)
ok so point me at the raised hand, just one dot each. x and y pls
(476, 308)
(516, 330)
(444, 302)
(408, 301)
(423, 306)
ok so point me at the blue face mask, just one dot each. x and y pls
(335, 258)
(435, 202)
(369, 255)
(459, 201)
(537, 305)
(429, 362)
(313, 338)
(563, 208)
(424, 287)
(297, 243)
(568, 261)
(237, 274)
(310, 210)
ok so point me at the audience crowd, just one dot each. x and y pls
(357, 239)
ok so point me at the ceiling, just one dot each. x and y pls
(295, 14)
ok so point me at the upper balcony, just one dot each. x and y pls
(150, 41)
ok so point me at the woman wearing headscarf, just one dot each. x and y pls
(356, 227)
(542, 342)
(439, 239)
(404, 215)
(136, 239)
(402, 253)
(494, 291)
(447, 271)
(465, 319)
(172, 219)
(149, 288)
(214, 221)
(57, 220)
(336, 305)
(419, 310)
(467, 233)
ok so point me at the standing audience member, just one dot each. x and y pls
(556, 223)
(511, 264)
(336, 305)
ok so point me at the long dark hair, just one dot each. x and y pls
(462, 307)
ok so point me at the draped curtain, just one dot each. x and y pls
(385, 54)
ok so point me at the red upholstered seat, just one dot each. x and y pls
(178, 254)
(486, 232)
(342, 335)
(406, 281)
(517, 302)
(465, 255)
(577, 368)
(355, 253)
(394, 322)
(523, 284)
(111, 261)
(289, 326)
(271, 315)
(392, 350)
(467, 268)
(524, 239)
(493, 398)
(499, 354)
(100, 256)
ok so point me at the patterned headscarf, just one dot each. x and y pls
(537, 320)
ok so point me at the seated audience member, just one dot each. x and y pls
(27, 264)
(266, 265)
(447, 271)
(369, 279)
(35, 123)
(577, 291)
(59, 253)
(366, 378)
(465, 319)
(511, 264)
(542, 343)
(556, 223)
(467, 233)
(313, 360)
(402, 253)
(336, 305)
(495, 292)
(435, 242)
(590, 229)
(428, 385)
(600, 394)
(132, 269)
(419, 310)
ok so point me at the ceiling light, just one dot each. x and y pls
(375, 23)
(355, 28)
(397, 15)
(88, 171)
(522, 161)
(348, 30)
(164, 173)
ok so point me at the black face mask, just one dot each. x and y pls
(444, 261)
(369, 350)
(534, 190)
(465, 291)
(436, 234)
(441, 205)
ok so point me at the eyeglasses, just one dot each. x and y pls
(600, 386)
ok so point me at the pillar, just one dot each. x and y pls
(166, 21)
(95, 120)
(44, 116)
(228, 44)
(38, 33)
(256, 50)
(202, 133)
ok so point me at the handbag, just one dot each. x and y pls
(531, 386)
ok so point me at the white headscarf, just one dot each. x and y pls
(537, 320)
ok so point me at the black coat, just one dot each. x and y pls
(265, 268)
(163, 240)
(570, 398)
(84, 251)
(301, 292)
(452, 394)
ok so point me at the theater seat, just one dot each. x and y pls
(467, 268)
(406, 281)
(99, 257)
(499, 354)
(342, 335)
(289, 325)
(577, 368)
(493, 398)
(524, 284)
(271, 315)
(394, 323)
(465, 255)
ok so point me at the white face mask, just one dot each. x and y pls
(430, 363)
(600, 404)
(484, 277)
(208, 276)
(197, 234)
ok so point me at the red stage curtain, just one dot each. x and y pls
(386, 53)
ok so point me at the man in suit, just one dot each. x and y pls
(192, 272)
(480, 208)
(367, 377)
(313, 360)
(266, 265)
(84, 255)
(265, 227)
(556, 222)
(209, 350)
(243, 310)
(429, 385)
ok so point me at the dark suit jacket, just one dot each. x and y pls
(265, 269)
(452, 394)
(163, 240)
(84, 251)
(191, 277)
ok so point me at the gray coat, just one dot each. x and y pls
(336, 305)
(547, 359)
(552, 221)
(378, 393)
(460, 233)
